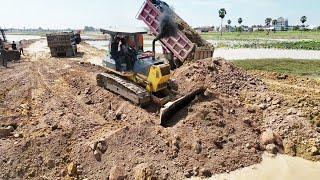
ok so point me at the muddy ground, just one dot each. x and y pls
(64, 126)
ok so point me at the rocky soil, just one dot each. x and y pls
(292, 109)
(57, 123)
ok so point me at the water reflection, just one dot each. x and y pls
(281, 167)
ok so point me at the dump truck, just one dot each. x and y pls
(6, 53)
(63, 44)
(186, 45)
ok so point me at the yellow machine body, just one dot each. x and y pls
(158, 78)
(156, 81)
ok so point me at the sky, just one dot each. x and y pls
(61, 14)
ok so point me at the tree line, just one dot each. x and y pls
(268, 21)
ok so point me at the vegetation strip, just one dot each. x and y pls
(288, 66)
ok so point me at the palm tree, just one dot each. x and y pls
(222, 14)
(303, 19)
(240, 22)
(274, 23)
(268, 21)
(229, 22)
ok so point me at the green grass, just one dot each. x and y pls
(287, 66)
(312, 35)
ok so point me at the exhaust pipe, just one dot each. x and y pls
(154, 47)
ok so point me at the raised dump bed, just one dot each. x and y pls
(187, 45)
(62, 44)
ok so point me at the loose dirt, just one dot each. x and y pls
(65, 126)
(292, 111)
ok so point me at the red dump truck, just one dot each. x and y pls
(186, 45)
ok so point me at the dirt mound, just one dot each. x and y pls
(216, 127)
(56, 106)
(68, 126)
(216, 75)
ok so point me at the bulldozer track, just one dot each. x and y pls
(125, 88)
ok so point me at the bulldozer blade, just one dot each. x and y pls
(171, 108)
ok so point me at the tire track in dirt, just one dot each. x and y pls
(62, 91)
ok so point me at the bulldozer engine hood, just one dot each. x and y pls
(142, 66)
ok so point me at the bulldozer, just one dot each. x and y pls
(147, 78)
(7, 54)
(144, 79)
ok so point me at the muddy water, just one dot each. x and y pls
(239, 54)
(99, 44)
(21, 37)
(235, 54)
(281, 167)
(104, 45)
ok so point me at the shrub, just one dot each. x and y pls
(296, 28)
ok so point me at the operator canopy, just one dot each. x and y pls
(125, 31)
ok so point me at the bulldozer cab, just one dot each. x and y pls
(125, 48)
(133, 37)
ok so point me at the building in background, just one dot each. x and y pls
(282, 24)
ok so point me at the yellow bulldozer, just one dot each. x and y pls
(143, 82)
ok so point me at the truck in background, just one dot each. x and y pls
(7, 54)
(63, 44)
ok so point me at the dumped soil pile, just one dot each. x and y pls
(217, 75)
(216, 133)
(191, 34)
